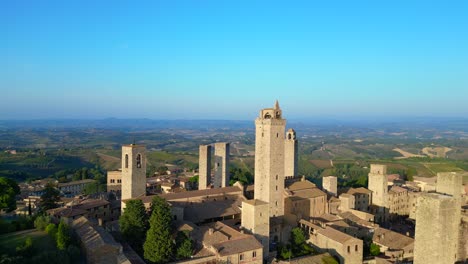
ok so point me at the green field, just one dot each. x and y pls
(41, 241)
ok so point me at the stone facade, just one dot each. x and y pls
(347, 202)
(204, 167)
(269, 159)
(304, 200)
(450, 183)
(362, 198)
(221, 177)
(437, 229)
(114, 181)
(378, 184)
(330, 185)
(75, 187)
(347, 249)
(256, 220)
(133, 171)
(290, 154)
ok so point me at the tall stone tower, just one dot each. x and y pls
(204, 167)
(221, 178)
(330, 185)
(378, 184)
(133, 171)
(290, 154)
(256, 220)
(437, 229)
(450, 183)
(269, 159)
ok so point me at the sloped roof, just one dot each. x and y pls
(391, 239)
(237, 246)
(93, 237)
(360, 190)
(193, 194)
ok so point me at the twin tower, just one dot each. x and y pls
(221, 159)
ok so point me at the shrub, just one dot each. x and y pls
(41, 222)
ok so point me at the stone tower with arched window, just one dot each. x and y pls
(269, 159)
(290, 154)
(133, 171)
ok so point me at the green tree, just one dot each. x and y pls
(158, 246)
(63, 236)
(134, 224)
(374, 249)
(8, 191)
(41, 222)
(91, 188)
(286, 252)
(243, 176)
(298, 243)
(50, 198)
(51, 230)
(184, 245)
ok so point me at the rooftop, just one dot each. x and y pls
(391, 239)
(360, 190)
(86, 181)
(193, 194)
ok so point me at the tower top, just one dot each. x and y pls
(277, 105)
(271, 113)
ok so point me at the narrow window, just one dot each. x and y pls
(356, 248)
(241, 256)
(276, 187)
(126, 160)
(277, 134)
(138, 161)
(254, 254)
(349, 249)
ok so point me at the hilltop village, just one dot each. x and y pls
(408, 222)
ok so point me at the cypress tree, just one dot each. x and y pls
(158, 246)
(134, 223)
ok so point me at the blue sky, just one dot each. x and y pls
(227, 59)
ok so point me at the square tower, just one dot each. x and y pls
(330, 185)
(269, 159)
(221, 178)
(378, 184)
(290, 154)
(437, 229)
(256, 220)
(204, 167)
(450, 183)
(133, 171)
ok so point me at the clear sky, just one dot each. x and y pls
(227, 59)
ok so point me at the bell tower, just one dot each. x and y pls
(269, 159)
(133, 171)
(290, 154)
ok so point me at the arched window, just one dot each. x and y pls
(138, 161)
(267, 116)
(126, 160)
(289, 136)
